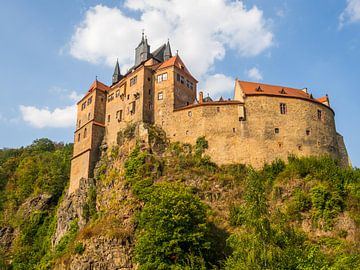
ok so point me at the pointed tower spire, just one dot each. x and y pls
(167, 51)
(117, 74)
(142, 51)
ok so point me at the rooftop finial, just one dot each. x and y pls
(177, 52)
(96, 78)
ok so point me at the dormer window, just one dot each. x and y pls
(258, 89)
(282, 91)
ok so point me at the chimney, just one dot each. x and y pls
(201, 97)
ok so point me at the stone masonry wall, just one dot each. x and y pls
(262, 135)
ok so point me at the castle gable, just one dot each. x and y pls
(176, 62)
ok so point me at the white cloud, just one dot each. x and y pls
(74, 96)
(40, 118)
(65, 93)
(202, 30)
(351, 13)
(254, 74)
(218, 85)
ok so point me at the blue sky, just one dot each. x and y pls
(51, 51)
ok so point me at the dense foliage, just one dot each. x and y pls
(40, 170)
(190, 213)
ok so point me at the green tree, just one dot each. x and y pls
(172, 230)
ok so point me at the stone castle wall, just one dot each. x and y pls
(245, 132)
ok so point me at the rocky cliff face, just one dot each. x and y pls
(72, 208)
(107, 239)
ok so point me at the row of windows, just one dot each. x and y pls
(117, 94)
(84, 135)
(162, 77)
(283, 110)
(307, 131)
(88, 118)
(182, 80)
(88, 102)
(119, 114)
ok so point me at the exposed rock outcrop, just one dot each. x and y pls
(71, 208)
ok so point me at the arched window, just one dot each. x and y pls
(85, 131)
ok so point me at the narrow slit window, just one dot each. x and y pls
(283, 108)
(319, 114)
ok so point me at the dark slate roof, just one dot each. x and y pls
(158, 54)
(207, 99)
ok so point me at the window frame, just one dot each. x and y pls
(283, 108)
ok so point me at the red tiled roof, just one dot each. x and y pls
(253, 88)
(96, 85)
(177, 62)
(99, 85)
(323, 99)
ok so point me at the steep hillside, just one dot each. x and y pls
(155, 205)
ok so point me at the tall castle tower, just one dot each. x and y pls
(90, 130)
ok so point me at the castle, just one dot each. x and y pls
(262, 122)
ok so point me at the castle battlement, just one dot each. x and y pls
(261, 123)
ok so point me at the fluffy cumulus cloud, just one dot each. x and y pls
(218, 85)
(351, 13)
(201, 30)
(40, 118)
(254, 74)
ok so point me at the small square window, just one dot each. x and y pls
(189, 113)
(277, 130)
(308, 132)
(160, 96)
(133, 80)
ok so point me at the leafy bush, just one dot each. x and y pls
(172, 230)
(327, 204)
